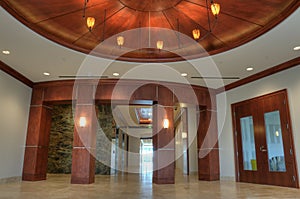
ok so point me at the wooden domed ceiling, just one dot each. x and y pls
(144, 22)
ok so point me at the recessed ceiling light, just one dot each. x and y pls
(297, 48)
(6, 52)
(249, 69)
(46, 73)
(116, 74)
(183, 74)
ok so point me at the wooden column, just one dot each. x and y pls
(163, 139)
(37, 141)
(208, 150)
(83, 153)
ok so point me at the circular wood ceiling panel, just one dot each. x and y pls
(144, 22)
(150, 5)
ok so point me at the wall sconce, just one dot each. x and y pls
(166, 123)
(82, 122)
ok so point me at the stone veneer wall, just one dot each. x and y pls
(104, 136)
(61, 139)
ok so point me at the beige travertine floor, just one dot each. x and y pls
(133, 186)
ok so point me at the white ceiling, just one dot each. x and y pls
(32, 54)
(128, 122)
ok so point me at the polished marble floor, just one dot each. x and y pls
(133, 186)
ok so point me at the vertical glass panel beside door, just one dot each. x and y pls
(248, 144)
(274, 142)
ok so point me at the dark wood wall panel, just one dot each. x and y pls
(104, 92)
(208, 149)
(84, 93)
(185, 94)
(83, 166)
(35, 163)
(58, 93)
(163, 144)
(145, 92)
(37, 96)
(165, 96)
(37, 141)
(85, 136)
(84, 141)
(127, 89)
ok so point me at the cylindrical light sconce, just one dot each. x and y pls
(82, 122)
(166, 123)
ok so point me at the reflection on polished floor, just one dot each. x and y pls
(134, 186)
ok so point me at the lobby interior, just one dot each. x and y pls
(105, 111)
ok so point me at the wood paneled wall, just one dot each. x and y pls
(85, 93)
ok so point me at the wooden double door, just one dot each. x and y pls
(264, 141)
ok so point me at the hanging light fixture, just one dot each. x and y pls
(196, 34)
(215, 8)
(120, 41)
(90, 22)
(84, 7)
(159, 44)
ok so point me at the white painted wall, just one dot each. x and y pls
(288, 79)
(14, 111)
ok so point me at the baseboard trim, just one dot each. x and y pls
(10, 180)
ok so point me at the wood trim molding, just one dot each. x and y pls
(12, 72)
(270, 71)
(71, 82)
(49, 93)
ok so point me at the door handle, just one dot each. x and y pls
(263, 149)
